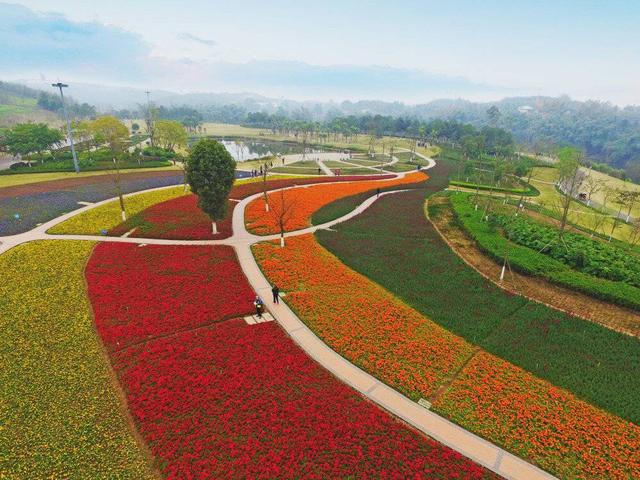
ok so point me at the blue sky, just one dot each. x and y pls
(404, 50)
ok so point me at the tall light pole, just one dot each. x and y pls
(150, 118)
(66, 117)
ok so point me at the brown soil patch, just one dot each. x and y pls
(577, 304)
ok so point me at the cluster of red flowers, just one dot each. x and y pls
(177, 219)
(232, 400)
(301, 203)
(141, 292)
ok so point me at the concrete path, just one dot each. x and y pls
(431, 424)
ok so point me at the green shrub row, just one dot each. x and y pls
(530, 262)
(530, 192)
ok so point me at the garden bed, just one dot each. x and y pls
(62, 415)
(216, 397)
(409, 352)
(531, 262)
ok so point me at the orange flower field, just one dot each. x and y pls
(360, 320)
(301, 203)
(536, 420)
(495, 399)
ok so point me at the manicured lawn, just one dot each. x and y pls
(26, 178)
(579, 214)
(217, 398)
(61, 414)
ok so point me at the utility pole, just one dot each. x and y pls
(66, 117)
(150, 118)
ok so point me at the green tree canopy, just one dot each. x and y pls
(210, 171)
(170, 134)
(26, 138)
(108, 129)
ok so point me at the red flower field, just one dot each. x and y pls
(176, 219)
(143, 292)
(224, 399)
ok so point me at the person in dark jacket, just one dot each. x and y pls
(276, 294)
(259, 304)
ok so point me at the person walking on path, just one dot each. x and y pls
(377, 192)
(276, 294)
(259, 304)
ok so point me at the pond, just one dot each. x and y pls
(251, 149)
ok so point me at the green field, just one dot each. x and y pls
(393, 244)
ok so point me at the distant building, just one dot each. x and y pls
(525, 109)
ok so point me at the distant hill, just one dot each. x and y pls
(606, 133)
(19, 103)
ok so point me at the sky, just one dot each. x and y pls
(405, 50)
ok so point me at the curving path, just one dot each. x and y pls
(431, 424)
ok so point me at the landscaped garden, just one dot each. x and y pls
(23, 207)
(409, 352)
(62, 413)
(192, 390)
(214, 396)
(573, 261)
(298, 205)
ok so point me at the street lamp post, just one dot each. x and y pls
(66, 117)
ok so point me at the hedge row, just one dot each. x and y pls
(531, 191)
(530, 262)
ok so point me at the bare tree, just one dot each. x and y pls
(629, 198)
(282, 211)
(592, 186)
(569, 182)
(634, 236)
(264, 187)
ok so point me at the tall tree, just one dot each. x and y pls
(108, 129)
(27, 138)
(570, 179)
(210, 172)
(170, 134)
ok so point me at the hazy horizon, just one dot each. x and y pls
(408, 51)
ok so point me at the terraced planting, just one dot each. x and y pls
(215, 397)
(540, 340)
(595, 259)
(406, 350)
(62, 416)
(302, 203)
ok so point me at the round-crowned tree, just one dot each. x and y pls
(210, 171)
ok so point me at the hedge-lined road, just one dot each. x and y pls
(467, 443)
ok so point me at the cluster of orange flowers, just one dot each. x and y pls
(298, 204)
(536, 420)
(360, 320)
(376, 331)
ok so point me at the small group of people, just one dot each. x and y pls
(263, 169)
(259, 303)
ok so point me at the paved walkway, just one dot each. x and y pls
(433, 425)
